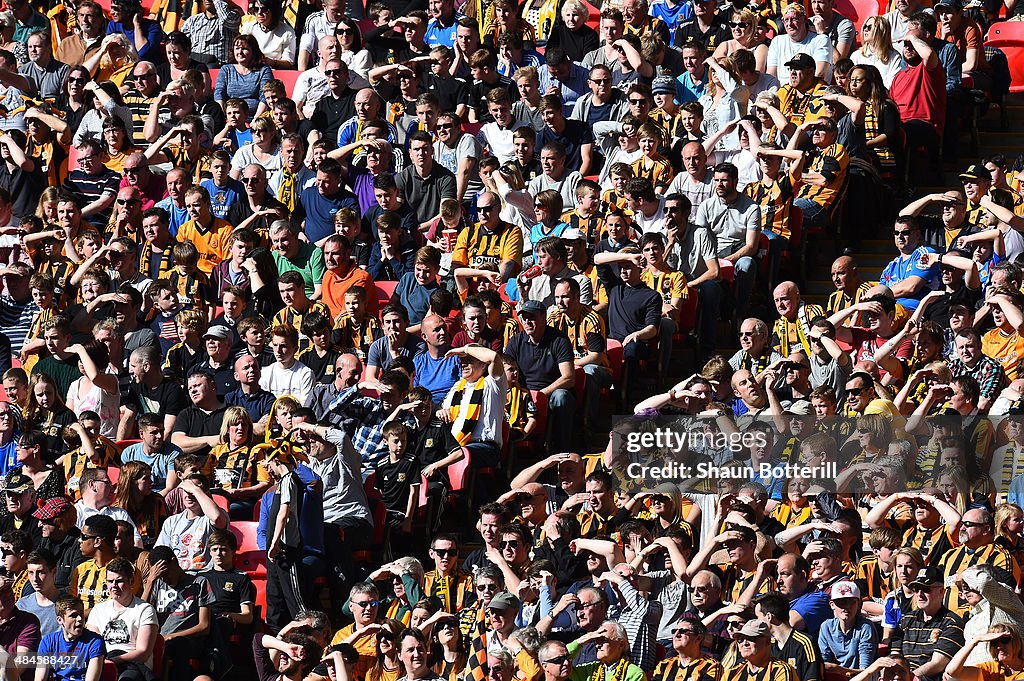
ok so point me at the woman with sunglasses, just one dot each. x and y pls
(992, 602)
(351, 50)
(117, 144)
(74, 100)
(448, 651)
(275, 38)
(106, 103)
(745, 36)
(877, 50)
(1005, 652)
(32, 455)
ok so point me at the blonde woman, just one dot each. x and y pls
(1005, 651)
(724, 101)
(237, 474)
(114, 61)
(745, 36)
(876, 49)
(265, 149)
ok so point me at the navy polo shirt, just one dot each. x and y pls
(539, 362)
(318, 210)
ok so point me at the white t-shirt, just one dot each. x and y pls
(297, 381)
(120, 626)
(492, 410)
(103, 403)
(655, 223)
(187, 537)
(745, 162)
(499, 140)
(86, 512)
(783, 48)
(310, 88)
(888, 71)
(277, 44)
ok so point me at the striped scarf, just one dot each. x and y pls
(618, 671)
(446, 589)
(288, 192)
(465, 408)
(885, 157)
(400, 612)
(476, 665)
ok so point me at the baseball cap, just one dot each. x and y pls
(218, 331)
(801, 61)
(52, 508)
(753, 629)
(975, 171)
(956, 5)
(663, 85)
(844, 589)
(17, 482)
(571, 234)
(928, 576)
(504, 601)
(798, 408)
(532, 307)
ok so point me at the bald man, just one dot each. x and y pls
(849, 287)
(789, 333)
(435, 371)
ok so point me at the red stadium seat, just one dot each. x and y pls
(858, 11)
(246, 534)
(615, 356)
(688, 315)
(256, 510)
(125, 444)
(725, 270)
(222, 501)
(458, 470)
(1008, 36)
(288, 77)
(385, 289)
(72, 157)
(114, 473)
(594, 19)
(253, 563)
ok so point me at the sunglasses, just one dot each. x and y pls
(127, 202)
(332, 73)
(854, 392)
(559, 660)
(344, 31)
(514, 544)
(250, 180)
(78, 81)
(638, 101)
(87, 537)
(734, 624)
(366, 604)
(684, 632)
(445, 126)
(444, 553)
(738, 24)
(971, 523)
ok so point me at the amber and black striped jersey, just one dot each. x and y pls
(776, 200)
(454, 591)
(476, 246)
(667, 285)
(931, 542)
(700, 669)
(776, 670)
(236, 468)
(289, 316)
(350, 335)
(198, 168)
(590, 227)
(830, 162)
(840, 300)
(88, 582)
(60, 270)
(803, 107)
(586, 333)
(657, 169)
(734, 583)
(956, 560)
(193, 289)
(75, 462)
(873, 583)
(519, 407)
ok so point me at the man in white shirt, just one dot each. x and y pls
(287, 376)
(97, 499)
(482, 384)
(311, 85)
(798, 38)
(695, 181)
(497, 136)
(648, 209)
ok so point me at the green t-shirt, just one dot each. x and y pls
(309, 262)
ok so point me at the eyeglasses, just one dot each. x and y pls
(366, 604)
(514, 544)
(259, 9)
(922, 589)
(738, 24)
(250, 180)
(585, 606)
(92, 157)
(116, 254)
(701, 589)
(734, 624)
(559, 660)
(487, 587)
(444, 553)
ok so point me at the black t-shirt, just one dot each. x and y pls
(223, 375)
(24, 187)
(166, 398)
(478, 96)
(575, 135)
(195, 422)
(539, 363)
(434, 442)
(395, 478)
(716, 34)
(938, 310)
(575, 43)
(331, 112)
(240, 211)
(232, 589)
(451, 92)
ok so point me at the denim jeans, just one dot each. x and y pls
(561, 416)
(598, 378)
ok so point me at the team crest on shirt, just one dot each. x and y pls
(430, 442)
(401, 477)
(229, 586)
(933, 636)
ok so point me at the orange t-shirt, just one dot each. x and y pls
(333, 289)
(1007, 349)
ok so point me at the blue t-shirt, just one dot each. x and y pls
(240, 138)
(414, 297)
(537, 232)
(688, 90)
(222, 198)
(900, 269)
(672, 16)
(9, 455)
(436, 375)
(162, 462)
(179, 216)
(319, 211)
(76, 654)
(442, 35)
(814, 608)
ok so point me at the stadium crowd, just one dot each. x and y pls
(314, 320)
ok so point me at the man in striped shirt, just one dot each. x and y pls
(976, 548)
(928, 637)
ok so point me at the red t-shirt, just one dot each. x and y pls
(920, 94)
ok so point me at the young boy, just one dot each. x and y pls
(42, 289)
(284, 540)
(224, 190)
(875, 572)
(184, 354)
(775, 193)
(618, 230)
(235, 597)
(253, 332)
(163, 297)
(524, 144)
(188, 152)
(652, 165)
(296, 304)
(51, 261)
(189, 283)
(398, 478)
(691, 118)
(15, 547)
(619, 174)
(77, 652)
(236, 132)
(87, 449)
(520, 409)
(414, 288)
(16, 387)
(354, 328)
(320, 356)
(667, 283)
(587, 217)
